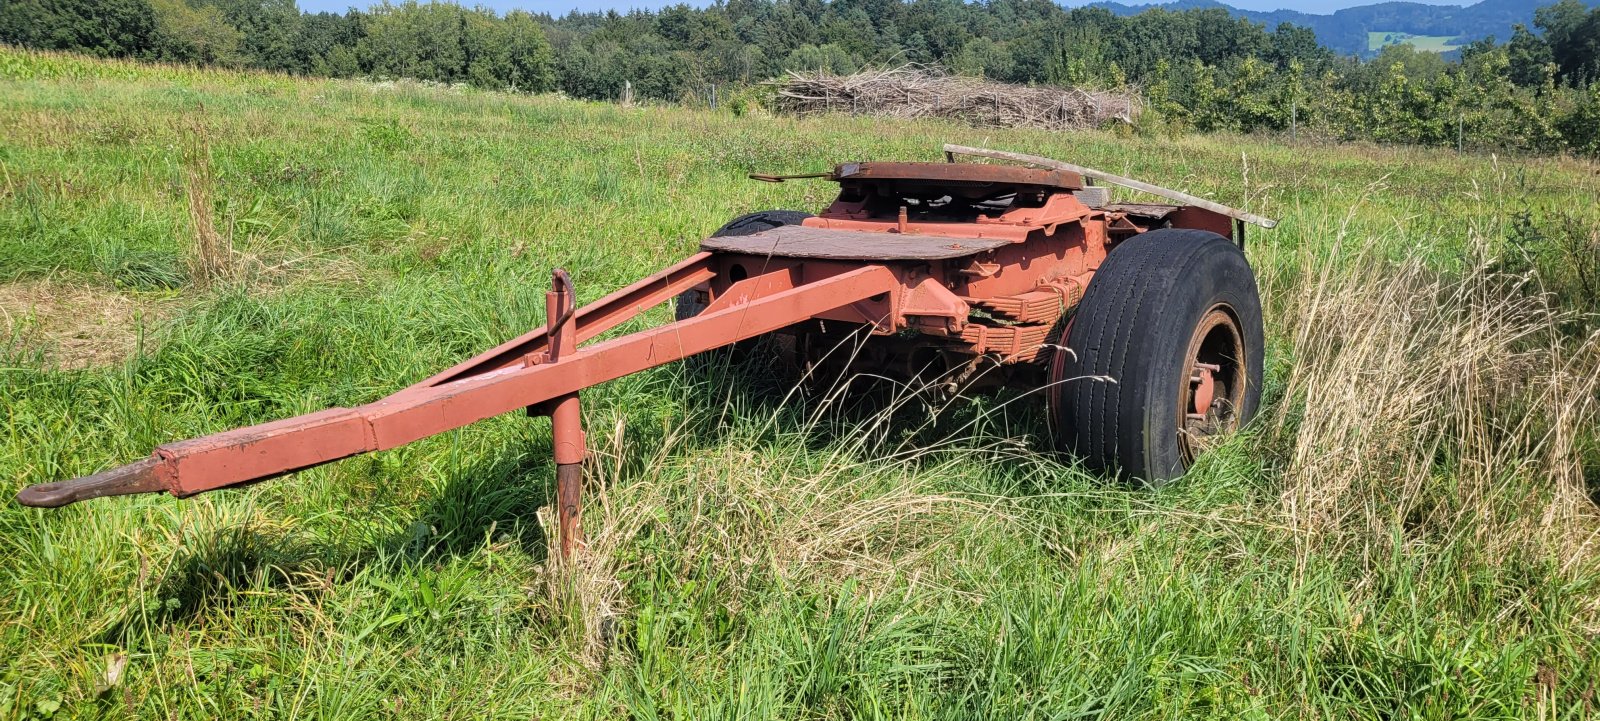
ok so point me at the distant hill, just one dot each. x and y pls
(1361, 30)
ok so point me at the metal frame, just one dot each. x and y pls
(1003, 278)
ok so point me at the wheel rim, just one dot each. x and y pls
(1211, 388)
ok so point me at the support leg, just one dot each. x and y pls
(566, 418)
(566, 424)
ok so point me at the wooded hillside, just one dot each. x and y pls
(1199, 70)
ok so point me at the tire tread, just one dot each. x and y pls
(1122, 330)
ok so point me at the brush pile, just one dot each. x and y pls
(915, 91)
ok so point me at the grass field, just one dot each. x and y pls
(1431, 43)
(1406, 531)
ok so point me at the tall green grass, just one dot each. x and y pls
(1406, 532)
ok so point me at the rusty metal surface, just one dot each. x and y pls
(566, 414)
(1013, 343)
(950, 173)
(798, 241)
(1015, 221)
(1045, 305)
(569, 507)
(1144, 210)
(139, 477)
(1213, 381)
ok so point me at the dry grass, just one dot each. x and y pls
(913, 91)
(210, 253)
(759, 518)
(1433, 408)
(72, 325)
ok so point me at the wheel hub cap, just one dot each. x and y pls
(1213, 387)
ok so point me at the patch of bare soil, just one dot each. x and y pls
(73, 325)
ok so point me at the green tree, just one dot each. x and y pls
(1205, 100)
(984, 57)
(830, 57)
(485, 49)
(1331, 107)
(1529, 55)
(267, 30)
(1494, 111)
(326, 43)
(195, 34)
(1291, 44)
(1401, 109)
(1573, 32)
(596, 72)
(1163, 109)
(1257, 97)
(409, 40)
(108, 28)
(1079, 59)
(1580, 127)
(853, 32)
(530, 63)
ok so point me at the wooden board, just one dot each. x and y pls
(798, 241)
(1144, 210)
(1168, 193)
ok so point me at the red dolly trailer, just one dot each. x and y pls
(1140, 324)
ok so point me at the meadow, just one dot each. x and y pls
(1407, 530)
(1432, 43)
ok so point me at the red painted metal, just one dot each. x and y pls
(592, 319)
(1203, 380)
(270, 449)
(566, 418)
(1017, 250)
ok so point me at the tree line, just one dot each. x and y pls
(1201, 70)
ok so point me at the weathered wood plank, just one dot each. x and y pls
(798, 241)
(1167, 193)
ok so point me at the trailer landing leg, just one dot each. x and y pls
(566, 417)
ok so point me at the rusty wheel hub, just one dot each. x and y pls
(1213, 382)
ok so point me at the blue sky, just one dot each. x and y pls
(560, 7)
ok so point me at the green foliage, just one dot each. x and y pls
(326, 44)
(1200, 69)
(267, 29)
(107, 28)
(829, 57)
(450, 44)
(525, 61)
(199, 34)
(985, 58)
(1581, 127)
(1529, 56)
(1562, 250)
(411, 40)
(1573, 32)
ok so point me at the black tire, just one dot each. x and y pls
(1163, 308)
(689, 304)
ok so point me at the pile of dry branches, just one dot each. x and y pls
(914, 91)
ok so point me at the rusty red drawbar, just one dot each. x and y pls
(945, 265)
